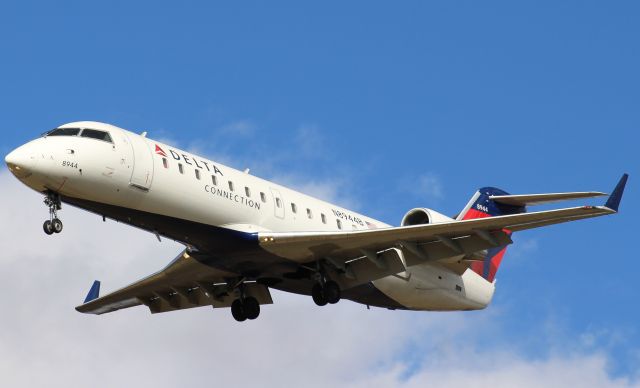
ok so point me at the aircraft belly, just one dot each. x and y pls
(201, 236)
(430, 287)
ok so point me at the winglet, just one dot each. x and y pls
(94, 292)
(614, 199)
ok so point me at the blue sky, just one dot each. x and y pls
(381, 107)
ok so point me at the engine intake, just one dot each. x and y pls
(421, 216)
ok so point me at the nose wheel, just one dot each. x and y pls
(53, 224)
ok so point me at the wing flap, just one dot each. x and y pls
(372, 266)
(215, 295)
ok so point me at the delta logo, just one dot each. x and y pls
(190, 160)
(160, 151)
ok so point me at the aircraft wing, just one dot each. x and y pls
(428, 242)
(184, 283)
(308, 247)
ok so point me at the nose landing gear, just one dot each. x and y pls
(53, 224)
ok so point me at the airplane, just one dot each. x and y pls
(244, 235)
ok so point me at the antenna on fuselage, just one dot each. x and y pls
(144, 134)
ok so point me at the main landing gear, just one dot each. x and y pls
(245, 307)
(53, 224)
(325, 291)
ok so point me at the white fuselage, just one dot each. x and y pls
(142, 176)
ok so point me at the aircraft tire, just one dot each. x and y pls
(251, 308)
(331, 292)
(237, 310)
(318, 295)
(47, 227)
(56, 225)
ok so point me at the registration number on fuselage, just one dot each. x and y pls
(66, 163)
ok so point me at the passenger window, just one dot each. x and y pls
(294, 208)
(339, 224)
(180, 168)
(278, 202)
(309, 214)
(197, 174)
(214, 180)
(165, 163)
(263, 197)
(95, 134)
(324, 218)
(230, 186)
(64, 132)
(247, 191)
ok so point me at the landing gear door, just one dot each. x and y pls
(278, 203)
(142, 174)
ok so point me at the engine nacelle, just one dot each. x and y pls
(420, 216)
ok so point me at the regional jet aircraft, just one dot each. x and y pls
(244, 235)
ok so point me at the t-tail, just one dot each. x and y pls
(482, 205)
(492, 202)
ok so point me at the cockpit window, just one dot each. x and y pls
(95, 134)
(64, 132)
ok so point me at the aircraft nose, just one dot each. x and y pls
(20, 161)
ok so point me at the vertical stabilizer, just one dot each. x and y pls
(481, 206)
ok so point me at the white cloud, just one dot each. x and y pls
(45, 342)
(472, 369)
(310, 143)
(240, 128)
(427, 186)
(430, 185)
(168, 141)
(523, 247)
(331, 189)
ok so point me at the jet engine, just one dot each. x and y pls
(420, 216)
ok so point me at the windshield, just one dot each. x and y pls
(86, 132)
(63, 132)
(95, 134)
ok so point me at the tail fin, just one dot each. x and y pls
(480, 206)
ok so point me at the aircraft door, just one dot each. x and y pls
(278, 203)
(142, 174)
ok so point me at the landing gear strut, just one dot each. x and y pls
(53, 224)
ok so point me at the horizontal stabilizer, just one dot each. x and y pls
(540, 199)
(94, 292)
